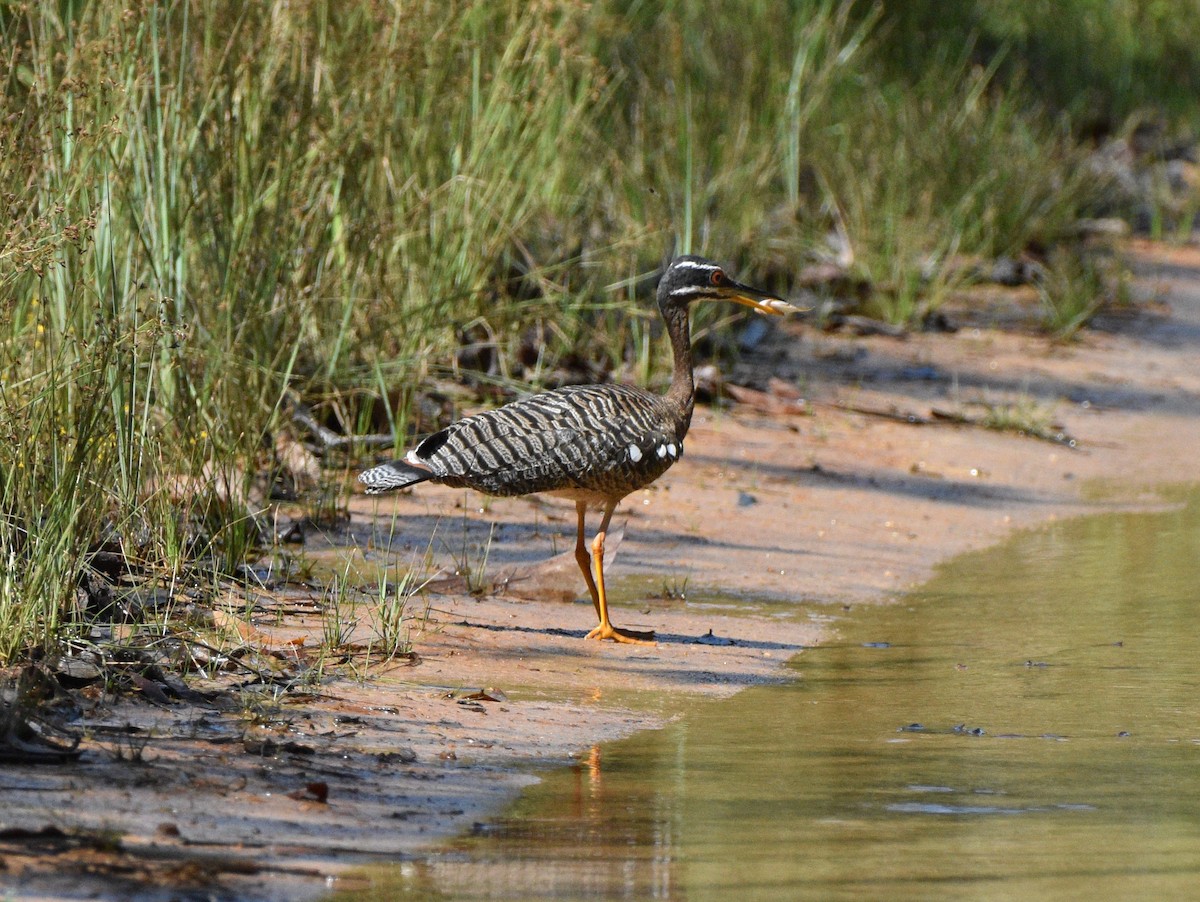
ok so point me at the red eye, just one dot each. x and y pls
(718, 277)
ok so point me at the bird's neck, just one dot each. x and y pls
(681, 396)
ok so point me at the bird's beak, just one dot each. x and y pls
(758, 301)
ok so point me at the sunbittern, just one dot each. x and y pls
(594, 444)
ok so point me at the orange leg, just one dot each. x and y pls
(583, 558)
(596, 583)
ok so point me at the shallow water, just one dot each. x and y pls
(1026, 726)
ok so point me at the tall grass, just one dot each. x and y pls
(1099, 61)
(210, 204)
(776, 133)
(962, 170)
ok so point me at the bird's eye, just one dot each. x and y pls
(717, 277)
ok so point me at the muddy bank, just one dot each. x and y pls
(804, 508)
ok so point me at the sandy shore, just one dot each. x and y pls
(799, 511)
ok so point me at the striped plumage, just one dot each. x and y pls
(593, 443)
(593, 440)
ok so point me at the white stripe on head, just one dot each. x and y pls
(694, 264)
(687, 290)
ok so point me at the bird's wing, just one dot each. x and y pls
(570, 438)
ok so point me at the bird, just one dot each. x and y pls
(592, 444)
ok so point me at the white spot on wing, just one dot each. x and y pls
(671, 449)
(635, 453)
(662, 450)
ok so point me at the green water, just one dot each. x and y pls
(1056, 683)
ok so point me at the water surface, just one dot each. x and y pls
(1026, 726)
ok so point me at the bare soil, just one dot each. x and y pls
(801, 509)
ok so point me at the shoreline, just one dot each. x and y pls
(837, 503)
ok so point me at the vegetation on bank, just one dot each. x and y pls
(213, 209)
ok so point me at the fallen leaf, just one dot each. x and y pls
(312, 792)
(764, 402)
(490, 694)
(149, 689)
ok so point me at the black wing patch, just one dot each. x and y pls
(430, 445)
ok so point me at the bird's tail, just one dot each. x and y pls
(395, 474)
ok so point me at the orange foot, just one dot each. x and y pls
(632, 637)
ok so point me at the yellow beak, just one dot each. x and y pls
(759, 301)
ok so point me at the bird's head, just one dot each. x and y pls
(690, 278)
